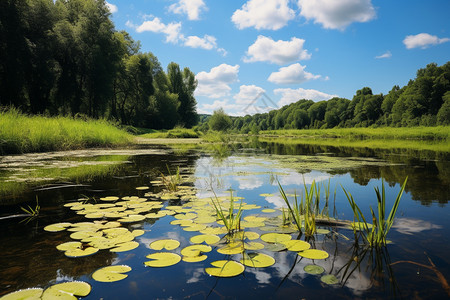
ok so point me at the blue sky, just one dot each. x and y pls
(286, 50)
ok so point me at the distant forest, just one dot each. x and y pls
(67, 58)
(425, 101)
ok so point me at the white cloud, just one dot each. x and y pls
(216, 82)
(207, 42)
(192, 8)
(112, 8)
(387, 54)
(423, 40)
(278, 52)
(263, 14)
(289, 96)
(171, 30)
(334, 14)
(248, 94)
(294, 73)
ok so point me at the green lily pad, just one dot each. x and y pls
(257, 260)
(137, 232)
(102, 243)
(28, 294)
(313, 254)
(297, 245)
(275, 237)
(67, 290)
(69, 246)
(231, 248)
(205, 238)
(313, 269)
(329, 279)
(109, 198)
(253, 246)
(111, 273)
(56, 227)
(225, 268)
(81, 252)
(195, 227)
(275, 247)
(194, 258)
(214, 230)
(142, 188)
(268, 210)
(162, 259)
(80, 235)
(168, 244)
(182, 222)
(195, 250)
(125, 247)
(322, 231)
(131, 219)
(187, 216)
(205, 220)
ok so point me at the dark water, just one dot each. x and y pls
(421, 232)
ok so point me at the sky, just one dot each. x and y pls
(256, 55)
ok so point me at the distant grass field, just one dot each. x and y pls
(20, 133)
(439, 133)
(172, 133)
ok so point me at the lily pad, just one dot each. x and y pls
(253, 246)
(225, 268)
(322, 231)
(275, 237)
(313, 269)
(205, 238)
(67, 290)
(329, 279)
(142, 188)
(195, 250)
(56, 227)
(257, 260)
(137, 232)
(232, 248)
(69, 246)
(297, 245)
(205, 220)
(168, 244)
(28, 294)
(109, 198)
(195, 227)
(194, 258)
(313, 254)
(268, 210)
(111, 273)
(275, 247)
(81, 252)
(162, 259)
(125, 247)
(132, 219)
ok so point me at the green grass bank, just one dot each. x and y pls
(20, 133)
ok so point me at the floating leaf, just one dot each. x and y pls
(322, 231)
(162, 259)
(137, 232)
(187, 216)
(168, 244)
(79, 235)
(125, 247)
(195, 250)
(56, 227)
(297, 245)
(195, 227)
(205, 220)
(132, 219)
(232, 248)
(313, 254)
(109, 198)
(313, 269)
(206, 238)
(142, 188)
(225, 268)
(182, 222)
(257, 260)
(329, 279)
(111, 273)
(253, 246)
(28, 294)
(194, 258)
(81, 252)
(268, 210)
(102, 243)
(266, 195)
(275, 237)
(214, 230)
(69, 246)
(275, 247)
(67, 290)
(157, 215)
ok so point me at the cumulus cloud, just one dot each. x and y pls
(278, 52)
(423, 40)
(216, 82)
(173, 35)
(294, 73)
(289, 96)
(334, 14)
(112, 8)
(263, 14)
(387, 54)
(192, 8)
(248, 93)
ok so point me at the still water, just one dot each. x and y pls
(402, 269)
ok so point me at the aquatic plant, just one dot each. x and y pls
(230, 219)
(30, 211)
(375, 235)
(171, 182)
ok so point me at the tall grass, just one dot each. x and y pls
(375, 235)
(230, 219)
(177, 133)
(403, 133)
(20, 133)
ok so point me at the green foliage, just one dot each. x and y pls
(230, 219)
(219, 121)
(375, 235)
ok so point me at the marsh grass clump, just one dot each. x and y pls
(230, 219)
(171, 181)
(375, 234)
(32, 212)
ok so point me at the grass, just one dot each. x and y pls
(171, 182)
(230, 219)
(20, 133)
(375, 235)
(177, 133)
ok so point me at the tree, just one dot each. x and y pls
(219, 121)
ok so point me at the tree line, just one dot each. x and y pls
(65, 57)
(424, 101)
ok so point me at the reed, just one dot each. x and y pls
(230, 219)
(171, 182)
(375, 235)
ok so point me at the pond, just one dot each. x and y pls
(130, 189)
